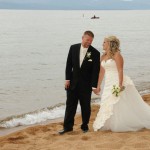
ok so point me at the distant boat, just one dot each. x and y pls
(94, 17)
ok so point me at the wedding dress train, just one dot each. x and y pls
(127, 112)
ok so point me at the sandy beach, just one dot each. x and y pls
(45, 137)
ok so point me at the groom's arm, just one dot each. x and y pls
(69, 65)
(95, 70)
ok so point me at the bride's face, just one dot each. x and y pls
(105, 45)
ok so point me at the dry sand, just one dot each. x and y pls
(45, 137)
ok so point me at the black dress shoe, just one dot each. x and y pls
(85, 130)
(64, 131)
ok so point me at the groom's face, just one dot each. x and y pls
(86, 41)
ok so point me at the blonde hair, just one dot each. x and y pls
(114, 44)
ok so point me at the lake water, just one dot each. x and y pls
(33, 49)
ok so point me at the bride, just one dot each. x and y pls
(121, 109)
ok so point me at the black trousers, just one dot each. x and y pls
(73, 97)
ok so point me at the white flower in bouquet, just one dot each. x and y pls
(116, 90)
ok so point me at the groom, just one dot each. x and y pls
(82, 70)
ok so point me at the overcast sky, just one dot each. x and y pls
(75, 4)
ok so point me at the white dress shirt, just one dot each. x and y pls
(83, 52)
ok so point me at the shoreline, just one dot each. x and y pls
(7, 131)
(22, 121)
(45, 136)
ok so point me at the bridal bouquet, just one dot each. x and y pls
(116, 90)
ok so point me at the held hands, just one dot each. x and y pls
(97, 90)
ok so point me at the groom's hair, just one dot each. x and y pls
(89, 33)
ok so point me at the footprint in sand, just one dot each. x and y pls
(85, 138)
(18, 139)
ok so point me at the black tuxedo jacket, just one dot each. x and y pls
(85, 76)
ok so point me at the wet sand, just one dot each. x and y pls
(45, 137)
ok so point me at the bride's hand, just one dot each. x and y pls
(97, 90)
(122, 88)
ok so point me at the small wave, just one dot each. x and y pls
(144, 92)
(38, 116)
(34, 118)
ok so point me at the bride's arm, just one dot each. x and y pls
(101, 76)
(119, 62)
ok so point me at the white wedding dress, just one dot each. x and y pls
(127, 112)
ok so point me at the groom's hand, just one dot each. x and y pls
(67, 84)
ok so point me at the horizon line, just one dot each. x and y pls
(65, 9)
